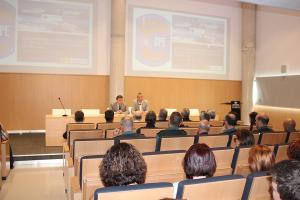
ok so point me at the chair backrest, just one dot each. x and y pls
(89, 167)
(222, 187)
(240, 160)
(80, 126)
(216, 123)
(258, 186)
(105, 126)
(233, 144)
(174, 143)
(281, 152)
(215, 130)
(142, 144)
(150, 191)
(214, 140)
(272, 138)
(192, 124)
(83, 134)
(162, 125)
(190, 130)
(223, 158)
(164, 166)
(294, 136)
(137, 125)
(150, 132)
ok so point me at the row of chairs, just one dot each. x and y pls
(255, 186)
(164, 166)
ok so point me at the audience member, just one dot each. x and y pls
(204, 115)
(229, 124)
(162, 116)
(109, 116)
(212, 114)
(261, 158)
(293, 150)
(262, 121)
(126, 131)
(244, 137)
(150, 119)
(289, 125)
(122, 165)
(137, 117)
(79, 118)
(252, 119)
(204, 127)
(174, 124)
(119, 106)
(140, 105)
(286, 180)
(185, 114)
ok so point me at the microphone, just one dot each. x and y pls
(65, 115)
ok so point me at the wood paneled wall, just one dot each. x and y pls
(27, 98)
(180, 93)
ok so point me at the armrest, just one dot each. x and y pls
(66, 147)
(70, 162)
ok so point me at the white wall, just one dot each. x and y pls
(231, 10)
(278, 41)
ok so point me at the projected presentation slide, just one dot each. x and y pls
(46, 33)
(164, 41)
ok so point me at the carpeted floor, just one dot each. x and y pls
(28, 144)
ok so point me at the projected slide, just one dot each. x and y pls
(46, 33)
(174, 42)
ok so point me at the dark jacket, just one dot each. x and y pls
(129, 135)
(145, 127)
(264, 129)
(231, 131)
(171, 132)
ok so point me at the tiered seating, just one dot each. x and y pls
(214, 140)
(174, 143)
(272, 138)
(143, 144)
(281, 152)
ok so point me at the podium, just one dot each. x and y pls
(235, 107)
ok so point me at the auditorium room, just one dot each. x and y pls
(150, 99)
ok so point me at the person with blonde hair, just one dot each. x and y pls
(261, 158)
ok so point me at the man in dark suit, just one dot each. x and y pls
(229, 124)
(174, 124)
(262, 121)
(119, 106)
(126, 131)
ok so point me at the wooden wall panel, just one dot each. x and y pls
(27, 98)
(180, 93)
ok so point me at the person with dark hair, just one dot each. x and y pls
(79, 118)
(199, 162)
(185, 114)
(262, 121)
(109, 116)
(289, 125)
(137, 117)
(126, 130)
(174, 124)
(150, 119)
(119, 106)
(261, 158)
(252, 119)
(204, 115)
(229, 124)
(244, 137)
(123, 165)
(162, 116)
(212, 114)
(286, 180)
(293, 150)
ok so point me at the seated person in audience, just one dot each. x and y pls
(126, 130)
(212, 115)
(162, 116)
(261, 158)
(293, 150)
(252, 119)
(289, 125)
(229, 124)
(137, 117)
(119, 106)
(150, 119)
(109, 116)
(140, 105)
(174, 124)
(122, 165)
(244, 137)
(204, 127)
(185, 114)
(4, 138)
(286, 180)
(79, 118)
(204, 115)
(262, 121)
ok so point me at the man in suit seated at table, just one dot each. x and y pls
(229, 124)
(262, 121)
(119, 106)
(140, 105)
(174, 124)
(126, 130)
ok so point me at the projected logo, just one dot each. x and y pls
(152, 40)
(7, 29)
